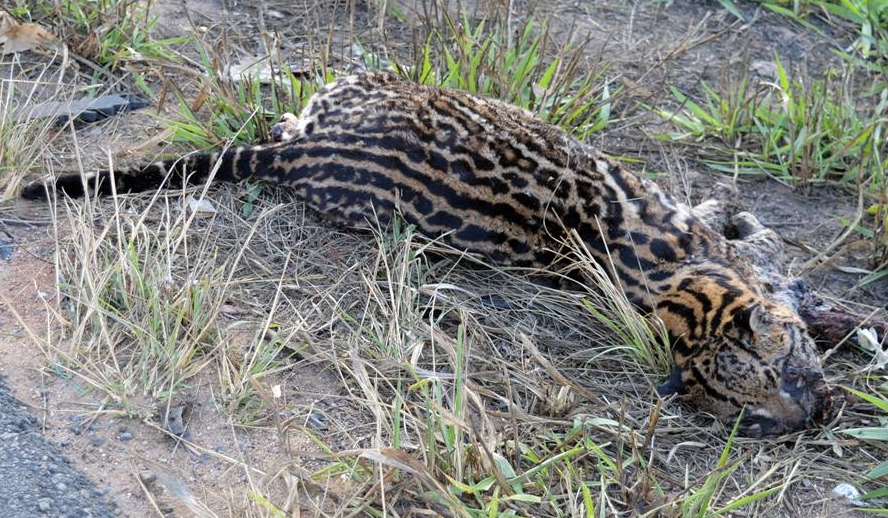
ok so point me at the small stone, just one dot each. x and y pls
(316, 421)
(147, 476)
(125, 436)
(97, 441)
(44, 504)
(175, 420)
(766, 69)
(850, 493)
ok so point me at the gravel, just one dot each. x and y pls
(35, 478)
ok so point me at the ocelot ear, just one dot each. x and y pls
(674, 384)
(760, 319)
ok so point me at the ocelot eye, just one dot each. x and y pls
(791, 373)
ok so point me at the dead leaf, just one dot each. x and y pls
(19, 37)
(232, 310)
(869, 341)
(397, 459)
(202, 206)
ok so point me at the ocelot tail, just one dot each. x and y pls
(495, 180)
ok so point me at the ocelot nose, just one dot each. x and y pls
(812, 375)
(806, 375)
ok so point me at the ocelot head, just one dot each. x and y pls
(764, 364)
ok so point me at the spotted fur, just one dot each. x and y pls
(495, 180)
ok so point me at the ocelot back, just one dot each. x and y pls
(493, 179)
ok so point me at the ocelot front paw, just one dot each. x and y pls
(286, 129)
(758, 244)
(717, 208)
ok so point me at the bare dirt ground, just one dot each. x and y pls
(646, 45)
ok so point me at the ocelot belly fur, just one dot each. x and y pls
(495, 180)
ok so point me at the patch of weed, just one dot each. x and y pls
(521, 69)
(242, 102)
(114, 34)
(868, 19)
(799, 132)
(878, 436)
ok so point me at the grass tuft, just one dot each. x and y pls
(877, 498)
(521, 68)
(798, 132)
(867, 19)
(22, 140)
(141, 325)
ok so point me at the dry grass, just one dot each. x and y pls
(21, 139)
(450, 386)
